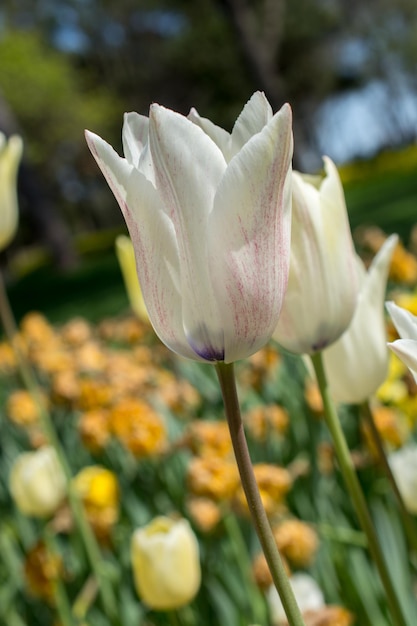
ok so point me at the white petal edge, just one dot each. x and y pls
(134, 136)
(256, 114)
(406, 350)
(157, 263)
(404, 321)
(153, 240)
(220, 136)
(116, 170)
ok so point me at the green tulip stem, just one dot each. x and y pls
(225, 373)
(60, 596)
(355, 490)
(407, 520)
(30, 382)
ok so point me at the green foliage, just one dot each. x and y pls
(51, 100)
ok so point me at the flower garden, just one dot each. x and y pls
(121, 500)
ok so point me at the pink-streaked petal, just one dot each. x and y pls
(249, 235)
(406, 350)
(134, 136)
(256, 114)
(404, 321)
(188, 168)
(153, 238)
(115, 169)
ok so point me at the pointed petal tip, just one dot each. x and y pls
(91, 138)
(328, 164)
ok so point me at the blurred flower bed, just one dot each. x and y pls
(144, 435)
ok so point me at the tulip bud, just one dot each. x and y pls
(166, 566)
(126, 256)
(322, 286)
(37, 482)
(10, 154)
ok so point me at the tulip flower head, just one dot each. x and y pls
(322, 287)
(357, 363)
(211, 235)
(10, 155)
(405, 347)
(37, 482)
(166, 565)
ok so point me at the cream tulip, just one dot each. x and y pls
(166, 565)
(323, 286)
(37, 482)
(10, 155)
(211, 235)
(357, 363)
(405, 347)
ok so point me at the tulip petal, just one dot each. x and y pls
(116, 170)
(220, 136)
(256, 114)
(404, 321)
(134, 136)
(188, 167)
(406, 350)
(357, 363)
(157, 263)
(249, 235)
(153, 238)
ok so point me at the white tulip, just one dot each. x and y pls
(211, 236)
(323, 286)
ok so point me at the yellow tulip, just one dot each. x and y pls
(10, 154)
(126, 256)
(166, 565)
(99, 491)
